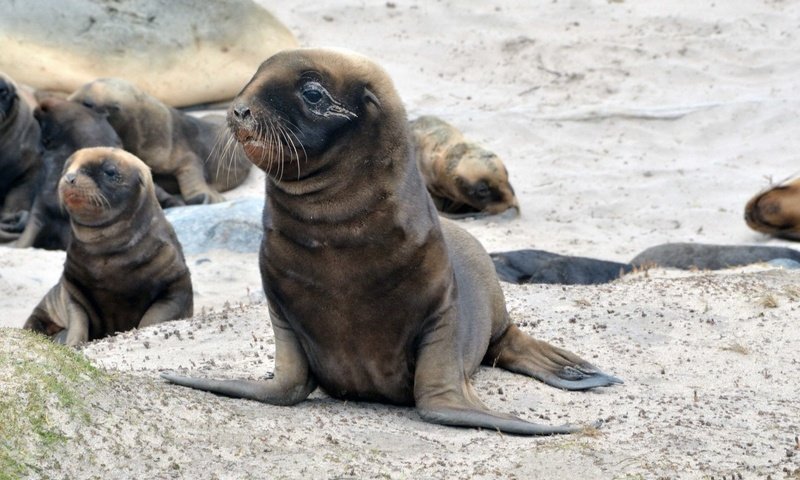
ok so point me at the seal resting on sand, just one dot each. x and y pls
(463, 178)
(183, 53)
(371, 295)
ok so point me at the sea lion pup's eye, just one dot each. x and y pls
(88, 104)
(312, 93)
(110, 170)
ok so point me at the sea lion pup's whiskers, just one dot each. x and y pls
(371, 295)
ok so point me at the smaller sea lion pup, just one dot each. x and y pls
(776, 211)
(124, 266)
(20, 159)
(65, 128)
(463, 178)
(197, 153)
(371, 295)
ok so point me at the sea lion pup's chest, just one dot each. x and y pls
(121, 283)
(359, 293)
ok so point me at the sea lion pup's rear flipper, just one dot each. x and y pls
(193, 186)
(12, 225)
(443, 394)
(292, 381)
(518, 352)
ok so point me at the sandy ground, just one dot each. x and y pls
(623, 125)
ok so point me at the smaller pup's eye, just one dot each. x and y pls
(110, 171)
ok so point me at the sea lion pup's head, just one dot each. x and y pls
(480, 179)
(305, 106)
(121, 100)
(100, 185)
(73, 125)
(776, 211)
(8, 97)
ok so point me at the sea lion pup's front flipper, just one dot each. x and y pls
(33, 226)
(291, 383)
(176, 302)
(166, 199)
(60, 317)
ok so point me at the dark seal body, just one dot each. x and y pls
(371, 296)
(20, 158)
(124, 267)
(195, 157)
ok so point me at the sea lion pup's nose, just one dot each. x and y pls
(240, 111)
(70, 177)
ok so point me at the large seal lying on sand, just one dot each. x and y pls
(463, 178)
(183, 53)
(124, 266)
(20, 159)
(776, 211)
(197, 153)
(66, 127)
(371, 296)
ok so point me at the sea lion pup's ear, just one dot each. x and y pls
(369, 97)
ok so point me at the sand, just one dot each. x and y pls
(623, 125)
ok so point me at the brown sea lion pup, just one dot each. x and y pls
(776, 211)
(20, 158)
(371, 296)
(463, 178)
(124, 267)
(198, 154)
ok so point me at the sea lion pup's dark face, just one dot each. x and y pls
(296, 106)
(482, 179)
(68, 123)
(8, 97)
(100, 184)
(776, 211)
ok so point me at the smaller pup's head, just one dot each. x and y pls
(101, 184)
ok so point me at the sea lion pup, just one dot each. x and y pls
(463, 178)
(65, 128)
(198, 154)
(371, 296)
(20, 159)
(776, 211)
(124, 266)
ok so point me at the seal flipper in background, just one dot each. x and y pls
(539, 266)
